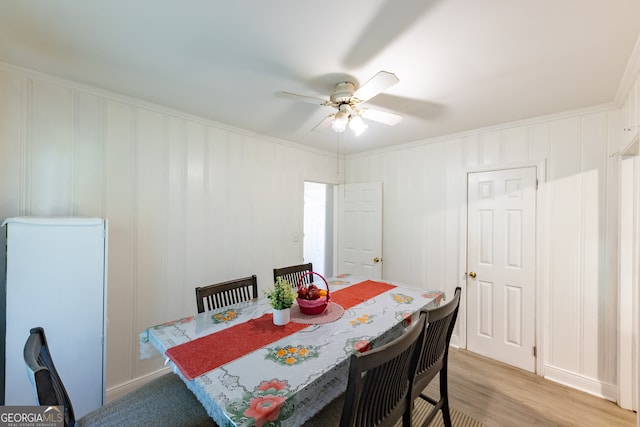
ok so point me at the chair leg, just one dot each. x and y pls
(408, 415)
(444, 397)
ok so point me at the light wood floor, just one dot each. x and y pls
(500, 395)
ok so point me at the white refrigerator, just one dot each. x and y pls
(56, 278)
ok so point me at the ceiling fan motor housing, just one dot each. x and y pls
(343, 93)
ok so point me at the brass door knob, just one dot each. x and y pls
(376, 260)
(472, 274)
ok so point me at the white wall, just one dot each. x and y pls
(192, 202)
(424, 186)
(189, 202)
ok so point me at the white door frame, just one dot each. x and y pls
(542, 262)
(628, 244)
(312, 177)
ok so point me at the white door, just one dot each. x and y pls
(360, 230)
(501, 265)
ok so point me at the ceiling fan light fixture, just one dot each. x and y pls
(347, 100)
(357, 125)
(340, 121)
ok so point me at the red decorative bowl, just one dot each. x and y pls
(313, 306)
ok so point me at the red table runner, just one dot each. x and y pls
(204, 354)
(359, 293)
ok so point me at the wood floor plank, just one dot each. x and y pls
(500, 395)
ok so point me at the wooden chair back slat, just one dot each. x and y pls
(292, 274)
(222, 294)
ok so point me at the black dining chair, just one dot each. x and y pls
(162, 402)
(222, 294)
(433, 356)
(379, 386)
(292, 274)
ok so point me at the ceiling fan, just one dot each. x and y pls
(348, 101)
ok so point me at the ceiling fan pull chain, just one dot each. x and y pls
(338, 156)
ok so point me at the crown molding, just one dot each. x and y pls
(494, 128)
(158, 108)
(630, 75)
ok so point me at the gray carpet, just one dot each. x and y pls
(458, 419)
(330, 416)
(163, 402)
(166, 402)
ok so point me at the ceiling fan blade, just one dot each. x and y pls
(324, 124)
(381, 116)
(376, 84)
(388, 24)
(302, 98)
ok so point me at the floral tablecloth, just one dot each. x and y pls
(288, 380)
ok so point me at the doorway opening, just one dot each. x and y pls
(318, 226)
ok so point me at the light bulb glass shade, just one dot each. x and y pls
(357, 125)
(340, 121)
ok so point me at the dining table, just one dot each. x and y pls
(246, 371)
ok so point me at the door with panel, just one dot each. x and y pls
(501, 265)
(360, 229)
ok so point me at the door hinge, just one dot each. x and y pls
(536, 183)
(535, 351)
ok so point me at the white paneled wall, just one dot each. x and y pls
(189, 202)
(425, 229)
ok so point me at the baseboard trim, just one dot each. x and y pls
(128, 386)
(588, 385)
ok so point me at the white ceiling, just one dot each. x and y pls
(462, 64)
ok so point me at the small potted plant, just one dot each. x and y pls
(281, 297)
